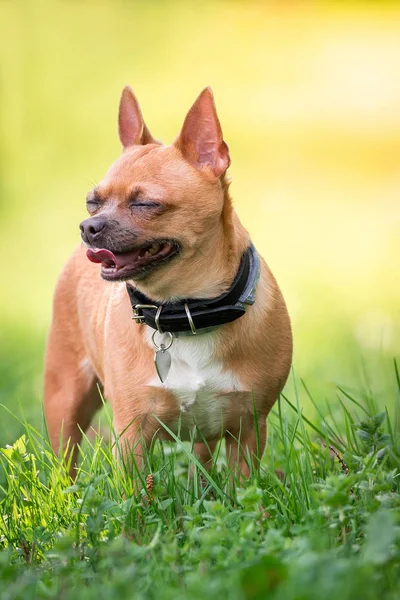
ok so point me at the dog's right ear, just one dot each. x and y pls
(131, 127)
(200, 139)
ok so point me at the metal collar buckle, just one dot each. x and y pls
(137, 316)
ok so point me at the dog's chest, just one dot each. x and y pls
(200, 383)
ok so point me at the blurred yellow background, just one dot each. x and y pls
(308, 94)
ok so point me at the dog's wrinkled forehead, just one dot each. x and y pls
(137, 162)
(153, 166)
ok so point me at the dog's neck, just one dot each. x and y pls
(211, 270)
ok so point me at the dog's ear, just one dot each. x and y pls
(200, 139)
(131, 127)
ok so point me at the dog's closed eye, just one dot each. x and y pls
(92, 205)
(148, 204)
(93, 201)
(138, 200)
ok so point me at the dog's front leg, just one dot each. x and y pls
(137, 420)
(204, 453)
(245, 448)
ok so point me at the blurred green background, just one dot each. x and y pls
(309, 99)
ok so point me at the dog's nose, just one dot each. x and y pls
(91, 229)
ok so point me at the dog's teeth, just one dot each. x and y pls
(153, 249)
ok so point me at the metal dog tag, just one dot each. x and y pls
(162, 361)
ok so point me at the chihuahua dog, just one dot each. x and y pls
(167, 306)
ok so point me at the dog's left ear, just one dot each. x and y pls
(200, 139)
(131, 126)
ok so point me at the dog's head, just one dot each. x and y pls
(158, 213)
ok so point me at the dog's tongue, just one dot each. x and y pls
(105, 257)
(109, 259)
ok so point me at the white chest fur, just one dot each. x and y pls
(198, 381)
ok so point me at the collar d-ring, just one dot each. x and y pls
(189, 316)
(162, 346)
(157, 319)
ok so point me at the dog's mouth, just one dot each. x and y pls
(134, 263)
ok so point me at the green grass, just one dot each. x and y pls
(319, 517)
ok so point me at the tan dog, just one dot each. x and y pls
(162, 220)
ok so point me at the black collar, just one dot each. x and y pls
(199, 314)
